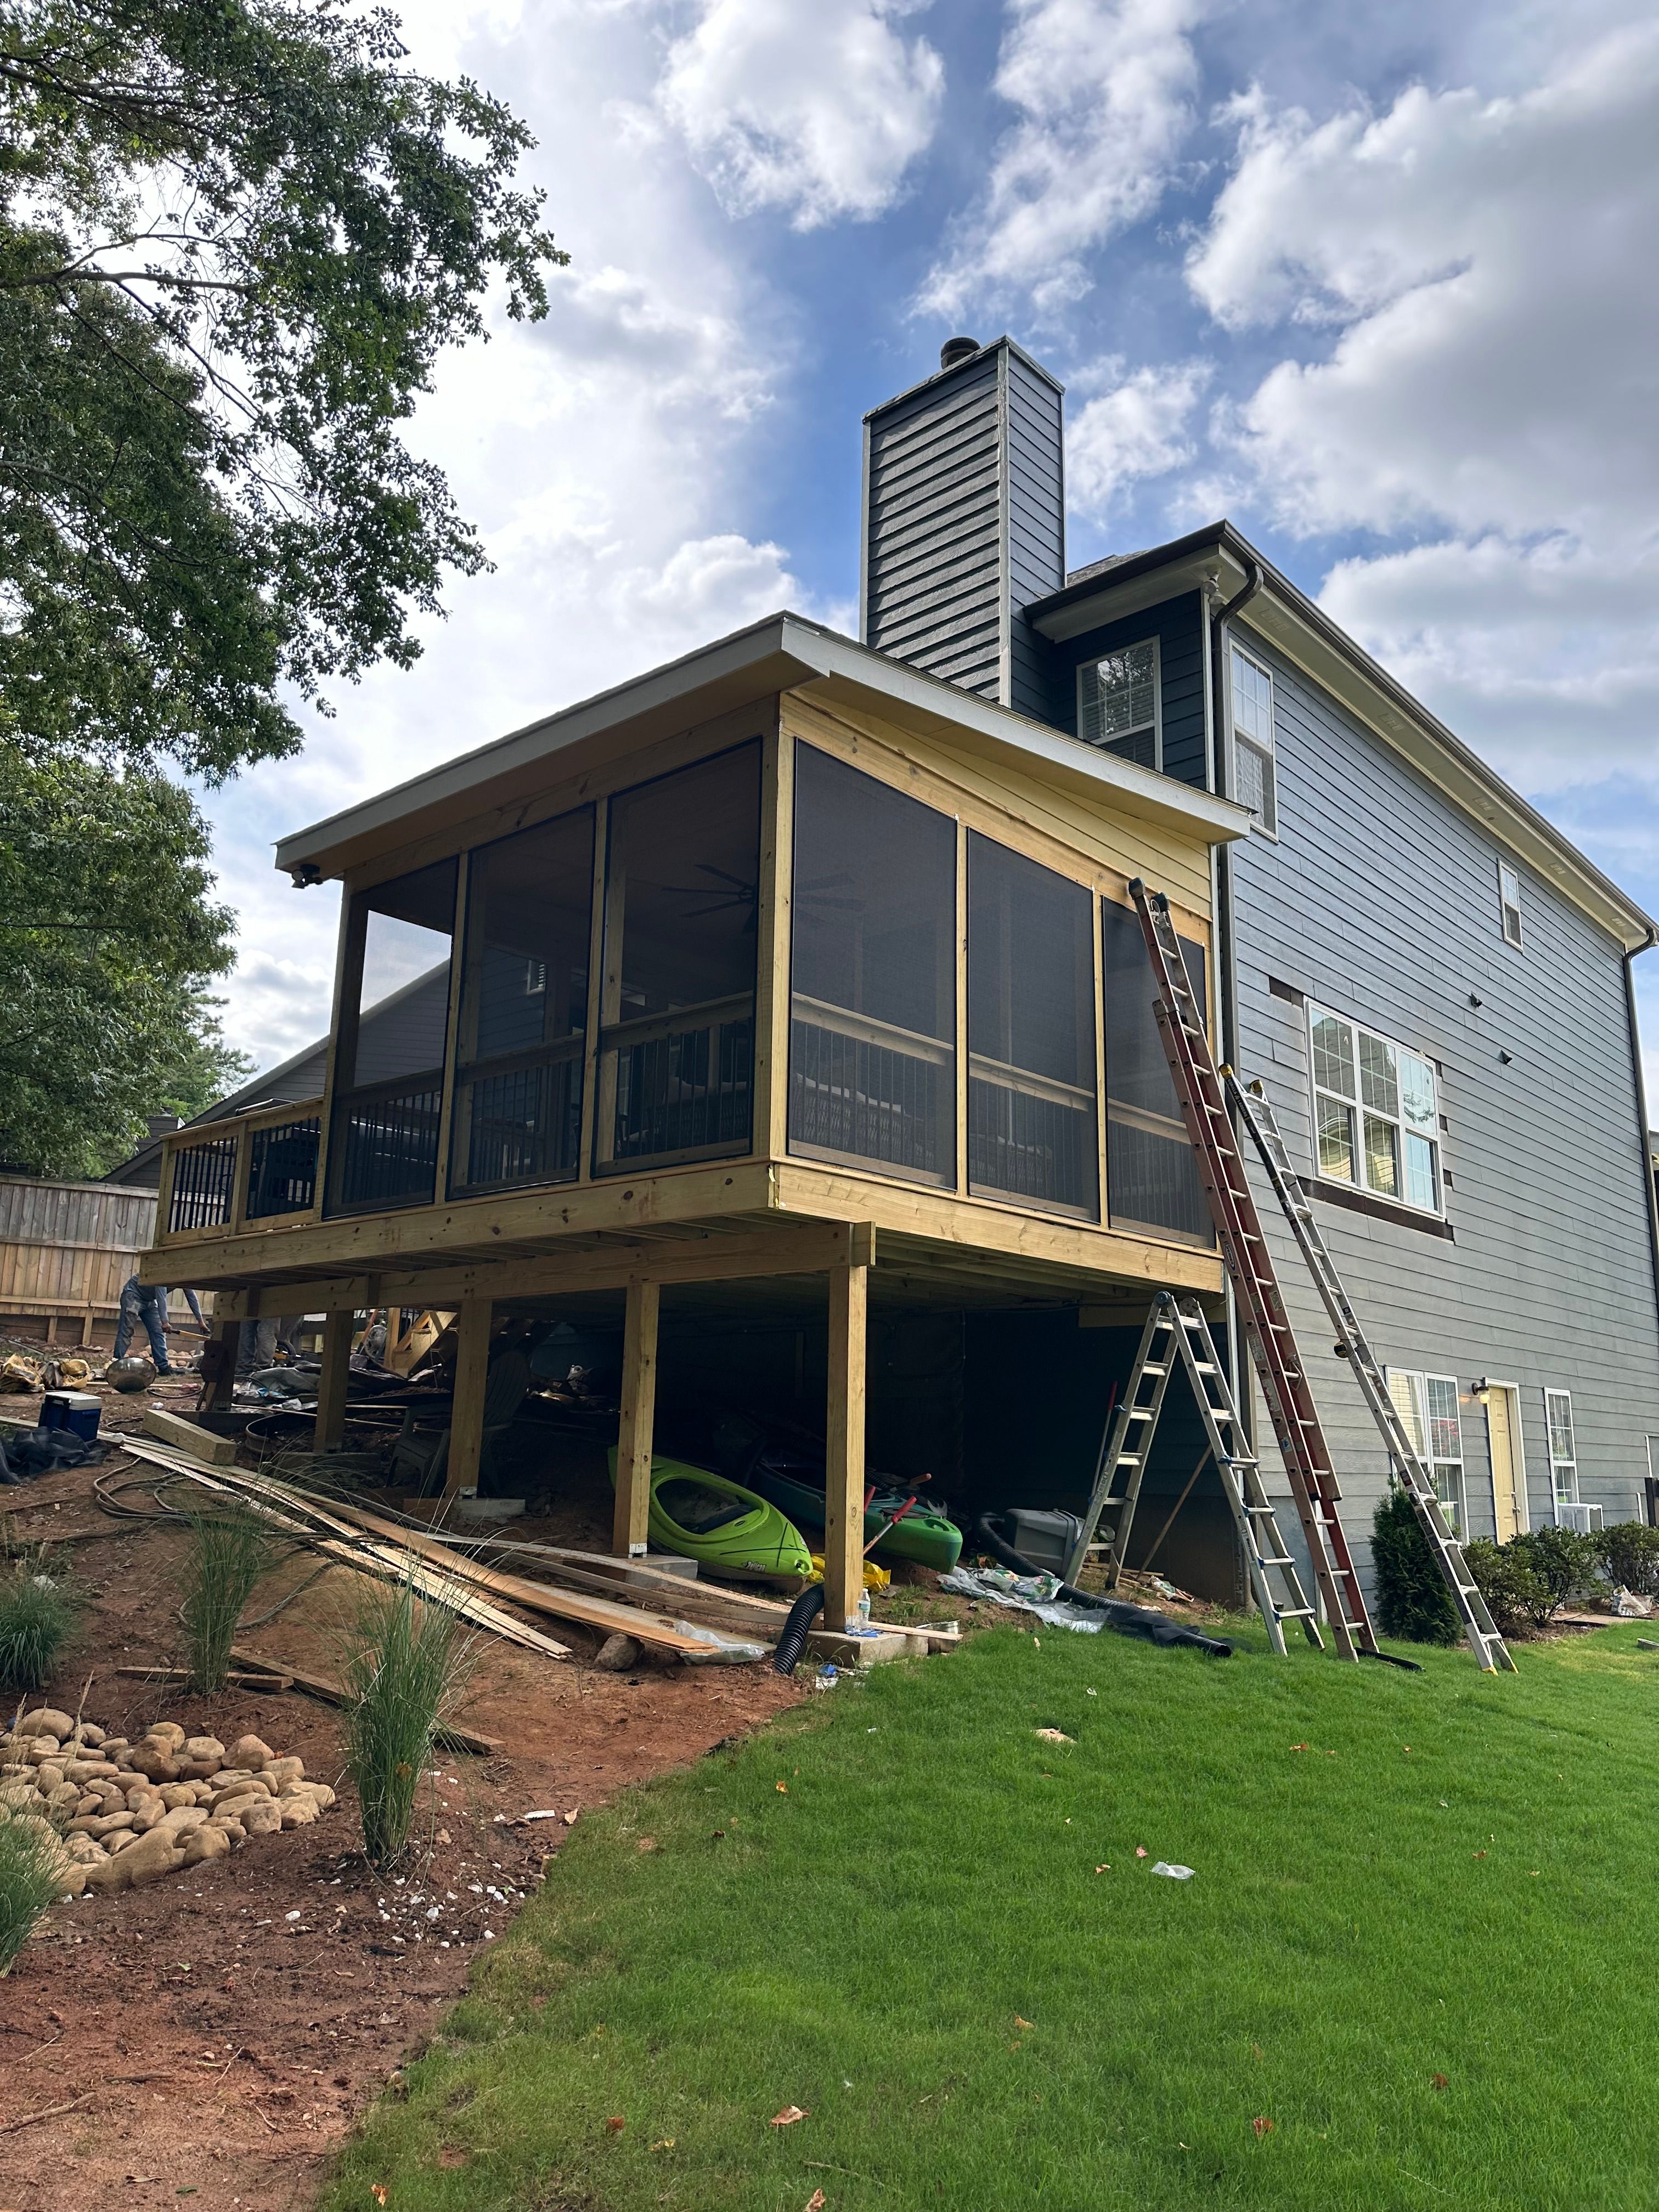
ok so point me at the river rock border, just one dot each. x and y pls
(125, 1814)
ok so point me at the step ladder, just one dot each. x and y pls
(1417, 1477)
(1248, 1261)
(1177, 1332)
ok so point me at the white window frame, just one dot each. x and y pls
(1564, 1467)
(1123, 737)
(1414, 1402)
(1507, 905)
(1359, 1110)
(1264, 825)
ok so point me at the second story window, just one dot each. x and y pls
(1255, 767)
(1117, 703)
(1376, 1114)
(1509, 900)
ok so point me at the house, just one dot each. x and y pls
(782, 1014)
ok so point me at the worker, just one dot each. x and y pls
(147, 1302)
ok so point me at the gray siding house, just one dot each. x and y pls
(1431, 983)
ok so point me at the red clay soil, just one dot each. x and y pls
(210, 2038)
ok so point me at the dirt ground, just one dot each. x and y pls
(213, 2036)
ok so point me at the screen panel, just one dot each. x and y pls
(1030, 1032)
(873, 975)
(1151, 1172)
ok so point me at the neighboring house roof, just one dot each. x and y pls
(783, 653)
(1218, 558)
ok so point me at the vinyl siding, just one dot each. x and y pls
(1379, 902)
(1036, 525)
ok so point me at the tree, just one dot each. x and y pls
(236, 235)
(109, 940)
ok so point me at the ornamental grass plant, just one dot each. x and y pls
(405, 1663)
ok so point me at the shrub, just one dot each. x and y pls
(39, 1615)
(229, 1550)
(1564, 1559)
(31, 1876)
(1518, 1601)
(1629, 1557)
(404, 1666)
(1413, 1600)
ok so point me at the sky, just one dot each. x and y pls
(1376, 283)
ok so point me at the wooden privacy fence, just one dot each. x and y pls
(67, 1247)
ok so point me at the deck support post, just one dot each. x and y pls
(466, 1413)
(630, 1528)
(843, 1518)
(219, 1354)
(332, 1385)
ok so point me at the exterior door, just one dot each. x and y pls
(1500, 1432)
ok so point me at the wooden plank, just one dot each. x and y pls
(334, 1694)
(704, 1602)
(467, 1408)
(631, 1520)
(331, 1386)
(182, 1675)
(843, 1534)
(184, 1435)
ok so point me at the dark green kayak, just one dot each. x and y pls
(709, 1518)
(926, 1537)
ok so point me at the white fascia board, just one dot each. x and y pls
(1213, 570)
(784, 652)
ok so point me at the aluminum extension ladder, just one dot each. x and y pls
(1479, 1627)
(1176, 1332)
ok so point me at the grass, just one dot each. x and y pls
(39, 1613)
(29, 1879)
(1417, 1944)
(229, 1551)
(404, 1666)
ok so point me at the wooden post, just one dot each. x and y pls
(332, 1387)
(844, 1516)
(219, 1368)
(466, 1413)
(630, 1527)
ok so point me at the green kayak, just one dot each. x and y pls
(708, 1517)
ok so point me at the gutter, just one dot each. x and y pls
(1643, 1125)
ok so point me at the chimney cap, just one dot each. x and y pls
(163, 1125)
(956, 349)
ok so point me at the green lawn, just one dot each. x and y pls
(1419, 1943)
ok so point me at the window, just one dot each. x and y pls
(1030, 1032)
(676, 1004)
(1427, 1406)
(873, 975)
(1563, 1449)
(389, 1063)
(1117, 705)
(1509, 900)
(1151, 1170)
(524, 1007)
(1256, 778)
(1376, 1114)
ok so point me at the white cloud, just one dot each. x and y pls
(1485, 263)
(816, 107)
(1104, 90)
(1139, 427)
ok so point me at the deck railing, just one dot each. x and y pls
(259, 1167)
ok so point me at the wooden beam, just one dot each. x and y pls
(219, 1354)
(843, 1532)
(333, 1693)
(332, 1385)
(467, 1408)
(639, 1403)
(772, 956)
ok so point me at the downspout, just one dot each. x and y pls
(1643, 1125)
(1227, 966)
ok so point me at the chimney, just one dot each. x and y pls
(964, 521)
(163, 1125)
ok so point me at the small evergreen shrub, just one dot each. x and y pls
(1518, 1601)
(1413, 1600)
(1629, 1557)
(1564, 1559)
(38, 1616)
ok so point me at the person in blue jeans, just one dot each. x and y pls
(149, 1304)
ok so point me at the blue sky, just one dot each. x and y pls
(1377, 283)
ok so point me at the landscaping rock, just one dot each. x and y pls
(233, 1829)
(250, 1751)
(284, 1770)
(617, 1654)
(48, 1721)
(262, 1817)
(206, 1842)
(295, 1812)
(167, 1732)
(204, 1747)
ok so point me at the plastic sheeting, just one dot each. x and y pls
(1041, 1595)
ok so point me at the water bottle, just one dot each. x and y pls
(863, 1608)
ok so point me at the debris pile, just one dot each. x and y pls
(124, 1814)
